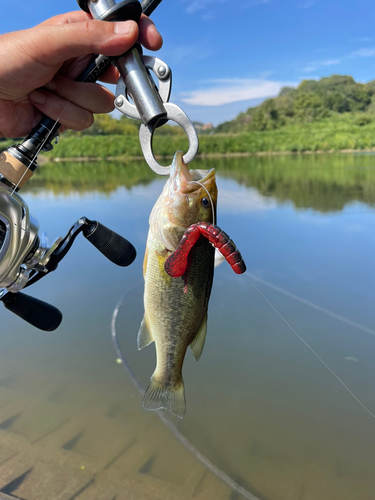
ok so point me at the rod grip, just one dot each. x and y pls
(113, 246)
(36, 312)
(13, 170)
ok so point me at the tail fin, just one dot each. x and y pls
(171, 398)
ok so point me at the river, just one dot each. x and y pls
(282, 401)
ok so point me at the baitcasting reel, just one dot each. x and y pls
(26, 256)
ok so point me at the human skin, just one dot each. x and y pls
(39, 65)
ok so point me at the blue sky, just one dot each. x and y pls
(228, 55)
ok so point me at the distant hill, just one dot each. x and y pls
(311, 101)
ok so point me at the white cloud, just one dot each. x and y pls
(363, 53)
(315, 65)
(308, 4)
(183, 53)
(253, 3)
(361, 40)
(225, 91)
(309, 69)
(195, 5)
(330, 62)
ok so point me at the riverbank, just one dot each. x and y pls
(43, 159)
(326, 136)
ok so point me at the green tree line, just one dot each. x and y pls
(332, 114)
(311, 101)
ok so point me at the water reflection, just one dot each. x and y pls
(85, 177)
(321, 182)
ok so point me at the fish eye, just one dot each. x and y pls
(205, 203)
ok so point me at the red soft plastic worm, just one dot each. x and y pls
(177, 263)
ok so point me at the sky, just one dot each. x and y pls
(229, 55)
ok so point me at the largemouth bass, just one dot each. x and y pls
(176, 308)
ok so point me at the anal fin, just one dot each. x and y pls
(144, 335)
(198, 343)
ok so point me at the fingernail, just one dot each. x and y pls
(37, 97)
(124, 28)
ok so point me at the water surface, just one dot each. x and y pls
(260, 405)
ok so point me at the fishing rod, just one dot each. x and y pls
(26, 255)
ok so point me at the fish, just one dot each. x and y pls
(175, 308)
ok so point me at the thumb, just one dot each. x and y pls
(52, 45)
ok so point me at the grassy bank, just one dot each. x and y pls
(331, 134)
(335, 133)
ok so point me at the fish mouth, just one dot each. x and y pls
(185, 180)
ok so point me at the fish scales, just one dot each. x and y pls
(176, 308)
(184, 306)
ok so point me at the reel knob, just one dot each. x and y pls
(34, 311)
(113, 246)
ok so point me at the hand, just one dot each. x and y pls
(49, 57)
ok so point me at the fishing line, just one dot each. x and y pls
(168, 423)
(312, 351)
(212, 205)
(311, 304)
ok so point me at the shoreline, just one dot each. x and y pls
(44, 159)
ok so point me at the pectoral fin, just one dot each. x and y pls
(144, 335)
(198, 342)
(145, 262)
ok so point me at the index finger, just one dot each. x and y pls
(77, 16)
(149, 36)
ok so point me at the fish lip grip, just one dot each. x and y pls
(150, 104)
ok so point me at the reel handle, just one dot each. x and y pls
(36, 312)
(113, 246)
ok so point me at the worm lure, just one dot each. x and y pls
(177, 263)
